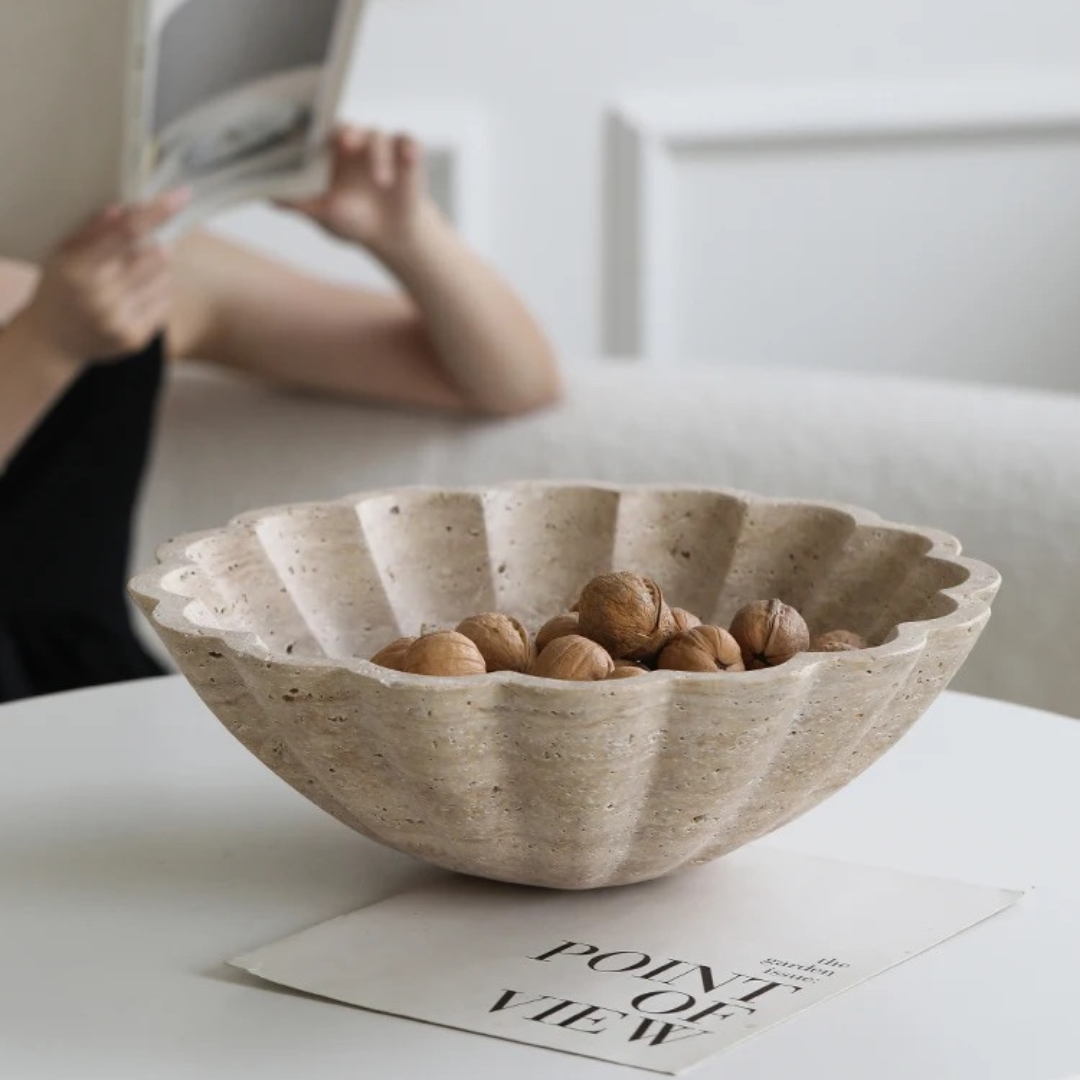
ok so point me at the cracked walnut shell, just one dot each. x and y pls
(684, 620)
(769, 632)
(626, 613)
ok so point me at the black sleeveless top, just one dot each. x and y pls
(66, 504)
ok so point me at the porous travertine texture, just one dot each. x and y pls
(566, 785)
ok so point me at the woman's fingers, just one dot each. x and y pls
(146, 218)
(376, 181)
(145, 265)
(349, 161)
(409, 160)
(407, 151)
(132, 301)
(349, 139)
(374, 157)
(380, 156)
(99, 225)
(149, 303)
(135, 225)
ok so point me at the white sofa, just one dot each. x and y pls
(998, 467)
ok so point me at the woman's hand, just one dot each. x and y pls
(376, 194)
(106, 290)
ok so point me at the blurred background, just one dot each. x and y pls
(849, 184)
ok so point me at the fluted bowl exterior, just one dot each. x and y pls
(564, 785)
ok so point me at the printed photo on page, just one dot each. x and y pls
(238, 87)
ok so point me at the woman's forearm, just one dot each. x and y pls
(33, 374)
(489, 344)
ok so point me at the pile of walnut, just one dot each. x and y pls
(621, 628)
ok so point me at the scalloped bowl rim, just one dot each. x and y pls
(170, 609)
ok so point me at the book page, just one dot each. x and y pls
(239, 92)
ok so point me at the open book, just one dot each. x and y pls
(106, 100)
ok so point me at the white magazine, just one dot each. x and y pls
(122, 99)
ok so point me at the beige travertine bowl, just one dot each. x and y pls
(567, 785)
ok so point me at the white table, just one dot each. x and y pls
(140, 846)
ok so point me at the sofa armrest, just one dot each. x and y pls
(998, 467)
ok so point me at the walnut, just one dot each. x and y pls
(626, 614)
(837, 641)
(684, 620)
(574, 658)
(560, 626)
(628, 671)
(503, 641)
(769, 632)
(702, 648)
(445, 652)
(393, 656)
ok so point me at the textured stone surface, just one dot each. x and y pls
(566, 785)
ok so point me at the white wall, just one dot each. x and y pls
(850, 183)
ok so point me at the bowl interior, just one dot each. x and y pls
(341, 579)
